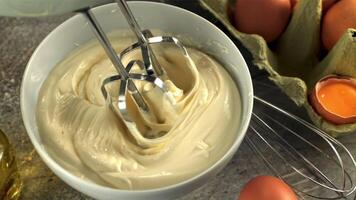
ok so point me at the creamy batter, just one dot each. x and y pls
(86, 137)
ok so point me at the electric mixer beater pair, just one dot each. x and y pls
(153, 73)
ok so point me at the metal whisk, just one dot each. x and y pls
(152, 72)
(296, 153)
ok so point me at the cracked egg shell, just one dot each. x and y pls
(334, 99)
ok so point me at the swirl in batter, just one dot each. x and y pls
(86, 137)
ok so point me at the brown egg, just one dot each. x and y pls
(267, 18)
(326, 4)
(267, 188)
(337, 20)
(334, 99)
(293, 2)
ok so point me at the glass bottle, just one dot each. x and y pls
(10, 182)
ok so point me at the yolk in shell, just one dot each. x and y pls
(338, 98)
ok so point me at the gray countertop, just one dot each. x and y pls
(18, 39)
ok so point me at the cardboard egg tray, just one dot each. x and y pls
(296, 61)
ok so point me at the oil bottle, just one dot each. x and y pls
(10, 182)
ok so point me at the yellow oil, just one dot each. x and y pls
(10, 182)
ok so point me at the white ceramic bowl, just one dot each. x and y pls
(73, 32)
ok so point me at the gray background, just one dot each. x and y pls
(19, 38)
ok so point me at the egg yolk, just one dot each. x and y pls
(338, 98)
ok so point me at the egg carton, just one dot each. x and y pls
(296, 61)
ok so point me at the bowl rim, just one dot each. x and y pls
(48, 160)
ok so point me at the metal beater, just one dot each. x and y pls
(262, 125)
(152, 72)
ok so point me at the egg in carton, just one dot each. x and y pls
(294, 63)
